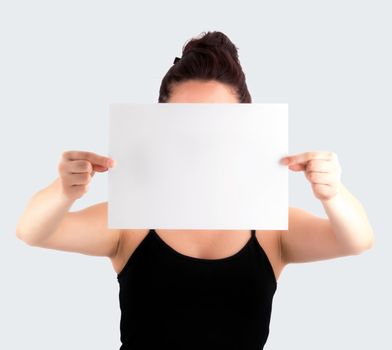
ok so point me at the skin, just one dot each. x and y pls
(47, 222)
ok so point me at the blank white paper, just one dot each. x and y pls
(198, 166)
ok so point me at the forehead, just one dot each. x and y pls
(211, 91)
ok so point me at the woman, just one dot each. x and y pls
(198, 289)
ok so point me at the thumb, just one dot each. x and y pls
(99, 168)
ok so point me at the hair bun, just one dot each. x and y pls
(208, 42)
(208, 56)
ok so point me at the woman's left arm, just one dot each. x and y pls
(349, 220)
(346, 214)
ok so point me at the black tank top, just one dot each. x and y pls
(169, 300)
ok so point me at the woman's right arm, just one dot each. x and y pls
(46, 221)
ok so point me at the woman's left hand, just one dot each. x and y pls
(322, 169)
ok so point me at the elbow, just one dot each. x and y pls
(19, 234)
(370, 243)
(367, 242)
(364, 247)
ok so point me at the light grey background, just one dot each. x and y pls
(62, 63)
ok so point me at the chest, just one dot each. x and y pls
(202, 244)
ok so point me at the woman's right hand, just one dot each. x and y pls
(76, 170)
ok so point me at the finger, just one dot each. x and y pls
(305, 157)
(99, 168)
(320, 178)
(323, 191)
(81, 180)
(77, 179)
(92, 157)
(320, 165)
(80, 166)
(297, 167)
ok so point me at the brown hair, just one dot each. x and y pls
(211, 56)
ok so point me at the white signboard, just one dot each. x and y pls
(198, 166)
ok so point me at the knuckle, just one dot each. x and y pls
(61, 167)
(85, 177)
(83, 154)
(89, 167)
(65, 154)
(312, 163)
(85, 165)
